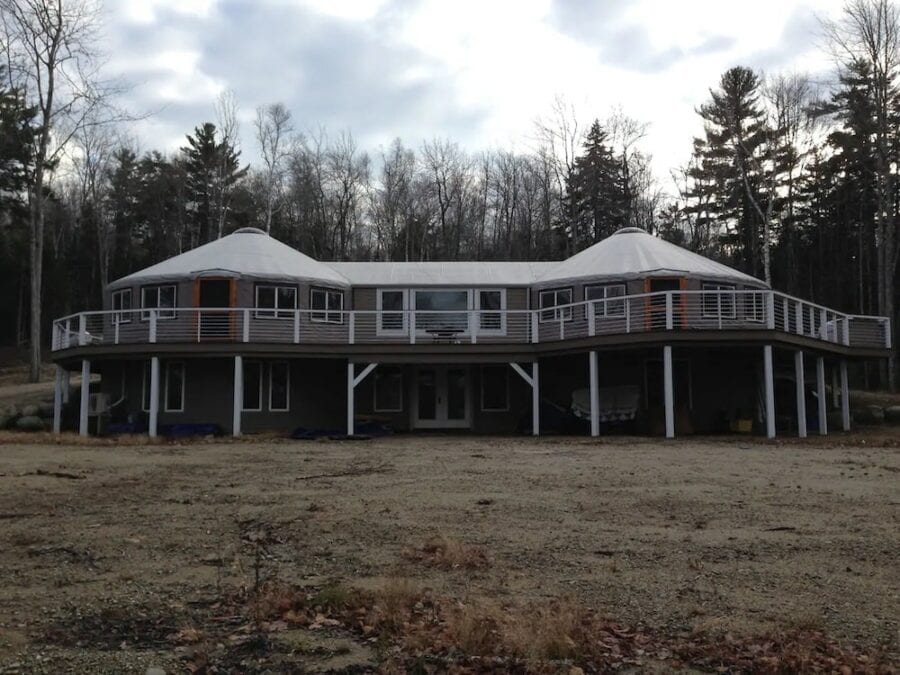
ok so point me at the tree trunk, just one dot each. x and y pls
(37, 263)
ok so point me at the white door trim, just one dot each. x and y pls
(441, 421)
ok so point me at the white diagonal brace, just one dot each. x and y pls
(359, 378)
(525, 376)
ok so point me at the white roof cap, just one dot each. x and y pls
(247, 252)
(631, 252)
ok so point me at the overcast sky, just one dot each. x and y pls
(476, 71)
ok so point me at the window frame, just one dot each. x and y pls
(161, 314)
(381, 372)
(276, 312)
(245, 365)
(168, 366)
(325, 315)
(380, 311)
(601, 309)
(754, 305)
(567, 314)
(121, 314)
(476, 300)
(481, 378)
(709, 287)
(287, 385)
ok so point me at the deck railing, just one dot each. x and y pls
(720, 310)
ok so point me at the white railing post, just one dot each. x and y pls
(152, 336)
(823, 324)
(472, 324)
(562, 327)
(246, 320)
(770, 310)
(412, 327)
(535, 328)
(798, 313)
(719, 309)
(115, 330)
(82, 329)
(54, 337)
(199, 324)
(888, 338)
(669, 322)
(812, 321)
(296, 326)
(786, 315)
(627, 315)
(592, 318)
(847, 330)
(351, 328)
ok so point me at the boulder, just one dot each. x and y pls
(870, 414)
(45, 409)
(9, 410)
(892, 414)
(30, 423)
(31, 410)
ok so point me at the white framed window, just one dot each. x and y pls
(495, 388)
(121, 304)
(442, 309)
(392, 306)
(491, 306)
(388, 390)
(550, 299)
(327, 305)
(754, 306)
(611, 308)
(162, 298)
(279, 386)
(718, 305)
(253, 391)
(174, 386)
(275, 302)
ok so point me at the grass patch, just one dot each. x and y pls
(449, 554)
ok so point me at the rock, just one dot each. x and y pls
(870, 414)
(30, 423)
(892, 414)
(9, 410)
(31, 410)
(45, 409)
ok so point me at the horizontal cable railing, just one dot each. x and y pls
(719, 310)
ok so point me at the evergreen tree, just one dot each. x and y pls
(16, 149)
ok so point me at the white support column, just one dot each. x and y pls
(153, 426)
(595, 394)
(238, 403)
(769, 375)
(801, 394)
(845, 397)
(350, 388)
(85, 397)
(668, 391)
(57, 400)
(820, 394)
(535, 401)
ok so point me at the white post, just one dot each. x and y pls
(246, 320)
(351, 327)
(238, 395)
(152, 336)
(57, 400)
(769, 375)
(845, 397)
(785, 314)
(85, 396)
(535, 327)
(668, 391)
(798, 315)
(595, 395)
(820, 393)
(801, 393)
(412, 328)
(297, 326)
(535, 401)
(592, 319)
(669, 322)
(154, 397)
(350, 413)
(627, 316)
(770, 310)
(82, 329)
(847, 330)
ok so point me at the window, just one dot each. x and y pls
(442, 310)
(279, 386)
(388, 390)
(610, 308)
(161, 298)
(330, 302)
(718, 305)
(175, 387)
(275, 302)
(252, 399)
(494, 388)
(391, 307)
(754, 306)
(121, 304)
(490, 321)
(555, 298)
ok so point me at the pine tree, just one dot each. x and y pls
(16, 150)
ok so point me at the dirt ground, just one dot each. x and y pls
(712, 535)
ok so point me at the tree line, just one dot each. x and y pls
(791, 181)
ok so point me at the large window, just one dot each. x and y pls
(491, 305)
(388, 390)
(549, 300)
(442, 310)
(718, 305)
(162, 298)
(121, 304)
(175, 386)
(391, 307)
(610, 308)
(253, 374)
(495, 388)
(279, 386)
(275, 302)
(327, 305)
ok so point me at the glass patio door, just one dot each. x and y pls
(442, 397)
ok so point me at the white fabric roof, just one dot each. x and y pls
(441, 273)
(632, 252)
(247, 252)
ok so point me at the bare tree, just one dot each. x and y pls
(273, 129)
(229, 130)
(50, 49)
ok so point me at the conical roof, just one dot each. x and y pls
(248, 252)
(632, 253)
